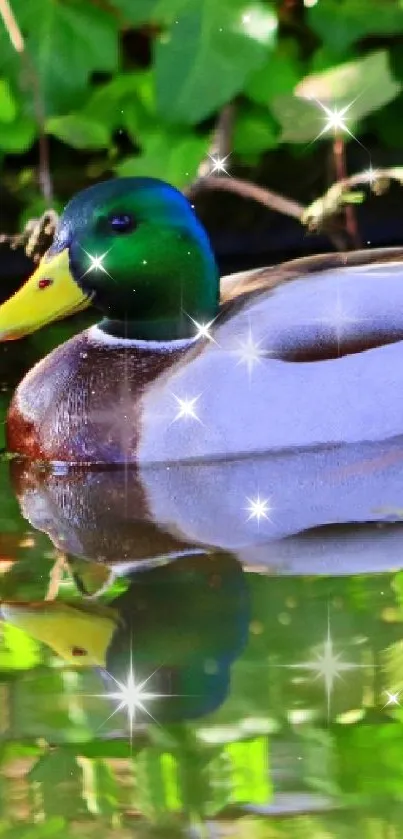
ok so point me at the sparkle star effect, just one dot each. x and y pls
(327, 665)
(250, 352)
(203, 329)
(258, 508)
(393, 699)
(187, 409)
(130, 696)
(218, 164)
(371, 175)
(96, 263)
(339, 320)
(337, 121)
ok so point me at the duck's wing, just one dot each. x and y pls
(243, 284)
(317, 308)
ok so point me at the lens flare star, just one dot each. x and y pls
(96, 263)
(218, 164)
(258, 508)
(187, 408)
(339, 320)
(203, 329)
(131, 697)
(371, 175)
(327, 665)
(336, 121)
(250, 352)
(393, 699)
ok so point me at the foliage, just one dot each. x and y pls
(140, 83)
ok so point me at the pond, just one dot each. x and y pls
(210, 649)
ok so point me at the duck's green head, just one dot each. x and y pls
(135, 249)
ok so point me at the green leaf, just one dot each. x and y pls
(78, 131)
(8, 108)
(342, 22)
(361, 86)
(255, 131)
(326, 57)
(148, 11)
(128, 98)
(10, 61)
(173, 157)
(279, 76)
(206, 57)
(17, 137)
(67, 43)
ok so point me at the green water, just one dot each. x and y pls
(273, 706)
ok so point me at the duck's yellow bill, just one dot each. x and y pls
(49, 294)
(80, 636)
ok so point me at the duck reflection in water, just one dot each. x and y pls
(331, 510)
(180, 623)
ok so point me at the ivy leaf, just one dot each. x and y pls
(67, 43)
(207, 55)
(127, 98)
(364, 85)
(278, 76)
(173, 157)
(325, 57)
(78, 131)
(342, 22)
(8, 108)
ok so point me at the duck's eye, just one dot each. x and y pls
(78, 651)
(121, 223)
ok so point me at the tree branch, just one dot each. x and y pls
(221, 143)
(18, 43)
(318, 216)
(37, 236)
(341, 193)
(247, 189)
(12, 27)
(339, 157)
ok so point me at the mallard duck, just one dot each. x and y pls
(183, 625)
(171, 373)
